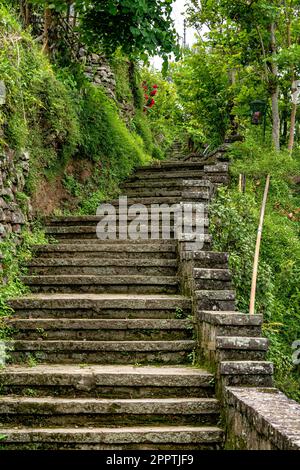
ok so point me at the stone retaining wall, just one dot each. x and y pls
(15, 208)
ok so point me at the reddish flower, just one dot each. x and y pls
(152, 103)
(146, 97)
(153, 92)
(155, 86)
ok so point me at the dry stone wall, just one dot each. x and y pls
(15, 209)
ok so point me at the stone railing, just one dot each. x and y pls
(256, 415)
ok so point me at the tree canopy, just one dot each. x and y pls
(141, 28)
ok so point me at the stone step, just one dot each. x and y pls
(169, 193)
(210, 259)
(103, 352)
(94, 412)
(186, 196)
(168, 237)
(212, 279)
(166, 181)
(173, 165)
(109, 249)
(99, 306)
(229, 348)
(246, 373)
(215, 178)
(92, 221)
(90, 266)
(102, 381)
(176, 185)
(101, 330)
(89, 234)
(222, 300)
(126, 438)
(102, 284)
(230, 323)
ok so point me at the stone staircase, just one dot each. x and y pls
(102, 349)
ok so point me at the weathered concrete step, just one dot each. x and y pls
(101, 306)
(103, 352)
(222, 300)
(89, 221)
(207, 163)
(89, 412)
(218, 177)
(210, 259)
(89, 232)
(241, 348)
(231, 323)
(176, 185)
(215, 279)
(102, 284)
(190, 196)
(173, 181)
(109, 249)
(172, 164)
(90, 266)
(101, 330)
(171, 192)
(137, 438)
(106, 380)
(167, 237)
(248, 373)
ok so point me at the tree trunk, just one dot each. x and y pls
(294, 89)
(275, 91)
(47, 27)
(293, 120)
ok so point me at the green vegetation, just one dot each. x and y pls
(140, 28)
(15, 253)
(234, 226)
(58, 116)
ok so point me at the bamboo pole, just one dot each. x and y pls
(257, 248)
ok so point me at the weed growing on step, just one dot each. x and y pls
(179, 313)
(31, 360)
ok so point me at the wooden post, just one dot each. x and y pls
(257, 249)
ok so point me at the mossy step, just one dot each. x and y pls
(101, 306)
(231, 323)
(98, 266)
(103, 352)
(206, 239)
(158, 181)
(100, 330)
(189, 196)
(119, 381)
(210, 259)
(145, 437)
(201, 192)
(47, 411)
(246, 372)
(239, 348)
(219, 299)
(102, 284)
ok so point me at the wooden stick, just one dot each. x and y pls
(257, 249)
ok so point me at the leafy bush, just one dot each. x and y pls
(105, 136)
(40, 114)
